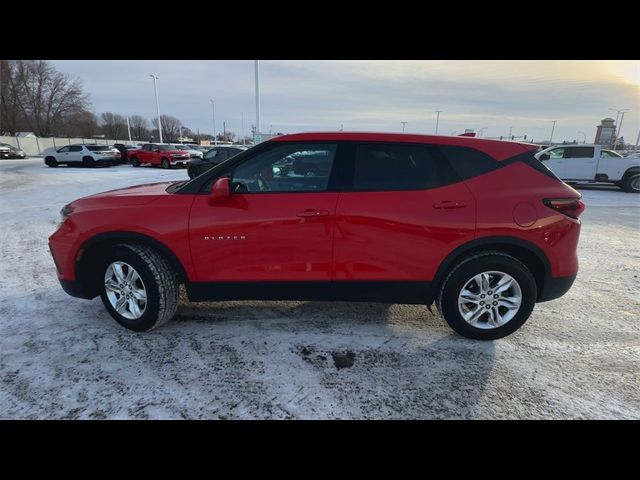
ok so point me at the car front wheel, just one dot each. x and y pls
(165, 163)
(51, 162)
(139, 287)
(135, 162)
(487, 296)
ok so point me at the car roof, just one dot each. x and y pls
(498, 149)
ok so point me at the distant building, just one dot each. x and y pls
(606, 133)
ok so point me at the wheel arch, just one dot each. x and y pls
(528, 253)
(630, 171)
(92, 250)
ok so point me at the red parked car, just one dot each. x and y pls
(478, 227)
(158, 154)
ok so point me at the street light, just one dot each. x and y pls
(584, 139)
(552, 130)
(155, 88)
(213, 115)
(403, 125)
(438, 119)
(619, 130)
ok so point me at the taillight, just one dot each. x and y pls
(571, 207)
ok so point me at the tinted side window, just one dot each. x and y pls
(76, 148)
(578, 152)
(399, 167)
(467, 162)
(286, 168)
(63, 149)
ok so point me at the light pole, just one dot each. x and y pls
(403, 125)
(619, 111)
(437, 119)
(552, 129)
(622, 112)
(242, 123)
(128, 128)
(213, 116)
(155, 88)
(257, 75)
(584, 137)
(510, 132)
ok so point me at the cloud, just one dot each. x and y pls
(373, 95)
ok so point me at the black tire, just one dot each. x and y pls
(88, 162)
(465, 270)
(51, 162)
(632, 183)
(192, 172)
(135, 162)
(159, 280)
(165, 164)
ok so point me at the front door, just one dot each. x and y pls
(75, 153)
(276, 226)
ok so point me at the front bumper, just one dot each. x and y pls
(556, 287)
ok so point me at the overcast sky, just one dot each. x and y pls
(304, 95)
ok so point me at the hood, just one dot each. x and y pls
(135, 195)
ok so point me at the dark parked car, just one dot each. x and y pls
(122, 148)
(213, 157)
(9, 151)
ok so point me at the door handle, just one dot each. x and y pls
(449, 204)
(312, 212)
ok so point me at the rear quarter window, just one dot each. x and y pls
(468, 162)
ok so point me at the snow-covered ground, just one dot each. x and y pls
(61, 357)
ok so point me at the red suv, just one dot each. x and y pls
(479, 227)
(158, 154)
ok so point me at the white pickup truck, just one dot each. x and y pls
(592, 164)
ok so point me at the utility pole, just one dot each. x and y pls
(155, 88)
(128, 128)
(510, 131)
(403, 125)
(257, 75)
(224, 131)
(437, 119)
(213, 114)
(619, 129)
(242, 123)
(552, 129)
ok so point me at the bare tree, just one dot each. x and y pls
(170, 128)
(226, 137)
(44, 97)
(11, 120)
(114, 125)
(82, 123)
(139, 127)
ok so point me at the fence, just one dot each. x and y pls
(37, 146)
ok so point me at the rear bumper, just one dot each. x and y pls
(556, 287)
(73, 288)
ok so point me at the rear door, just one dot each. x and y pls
(579, 163)
(401, 211)
(75, 153)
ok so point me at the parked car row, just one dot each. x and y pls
(154, 154)
(9, 151)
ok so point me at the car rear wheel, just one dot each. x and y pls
(135, 162)
(165, 163)
(632, 183)
(51, 162)
(139, 287)
(487, 296)
(88, 162)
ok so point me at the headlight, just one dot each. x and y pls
(65, 212)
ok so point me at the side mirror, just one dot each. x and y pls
(221, 188)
